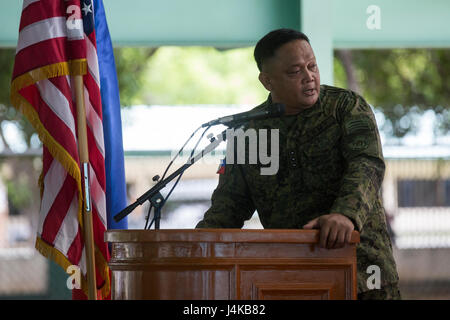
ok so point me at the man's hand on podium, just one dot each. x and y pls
(335, 230)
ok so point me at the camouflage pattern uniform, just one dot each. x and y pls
(330, 161)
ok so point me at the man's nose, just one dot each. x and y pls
(308, 76)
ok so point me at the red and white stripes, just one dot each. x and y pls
(47, 46)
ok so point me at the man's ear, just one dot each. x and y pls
(265, 80)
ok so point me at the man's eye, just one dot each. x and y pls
(294, 72)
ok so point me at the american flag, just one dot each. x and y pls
(56, 42)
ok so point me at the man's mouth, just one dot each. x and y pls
(309, 92)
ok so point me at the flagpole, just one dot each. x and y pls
(87, 210)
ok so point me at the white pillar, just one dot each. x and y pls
(315, 22)
(3, 215)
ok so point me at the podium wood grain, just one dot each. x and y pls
(195, 264)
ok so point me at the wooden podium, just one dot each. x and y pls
(194, 264)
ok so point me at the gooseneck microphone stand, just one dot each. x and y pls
(154, 195)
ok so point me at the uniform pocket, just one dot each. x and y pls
(321, 160)
(322, 143)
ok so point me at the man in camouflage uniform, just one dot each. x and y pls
(330, 164)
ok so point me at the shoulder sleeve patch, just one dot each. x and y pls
(359, 124)
(359, 143)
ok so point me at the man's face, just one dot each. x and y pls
(292, 76)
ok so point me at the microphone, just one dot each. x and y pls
(274, 110)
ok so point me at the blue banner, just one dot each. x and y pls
(116, 196)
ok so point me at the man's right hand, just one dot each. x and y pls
(335, 230)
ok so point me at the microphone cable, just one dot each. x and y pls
(167, 168)
(179, 177)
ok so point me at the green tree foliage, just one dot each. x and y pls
(7, 112)
(131, 66)
(19, 195)
(403, 83)
(188, 75)
(198, 75)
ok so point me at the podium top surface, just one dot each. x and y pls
(219, 235)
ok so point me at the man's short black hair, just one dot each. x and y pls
(267, 45)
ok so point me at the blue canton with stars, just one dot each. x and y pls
(87, 9)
